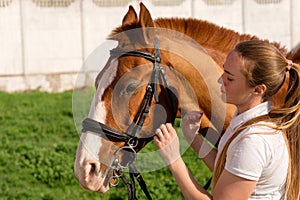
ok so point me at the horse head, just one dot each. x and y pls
(146, 58)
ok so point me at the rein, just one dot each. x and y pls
(130, 137)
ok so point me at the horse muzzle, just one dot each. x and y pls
(87, 171)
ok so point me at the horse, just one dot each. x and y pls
(160, 70)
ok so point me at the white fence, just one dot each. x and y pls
(43, 43)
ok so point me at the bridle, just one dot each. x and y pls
(130, 137)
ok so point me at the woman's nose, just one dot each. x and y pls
(220, 79)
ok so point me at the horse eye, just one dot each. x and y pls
(131, 88)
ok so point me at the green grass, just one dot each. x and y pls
(38, 142)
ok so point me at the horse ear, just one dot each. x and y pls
(146, 21)
(145, 17)
(130, 17)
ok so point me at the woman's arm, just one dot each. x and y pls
(187, 183)
(232, 187)
(205, 151)
(168, 144)
(229, 186)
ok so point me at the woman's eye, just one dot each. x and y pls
(229, 79)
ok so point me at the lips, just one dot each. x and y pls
(102, 189)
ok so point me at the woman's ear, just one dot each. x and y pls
(260, 89)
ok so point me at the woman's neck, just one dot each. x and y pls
(252, 104)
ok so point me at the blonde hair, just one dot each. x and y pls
(262, 63)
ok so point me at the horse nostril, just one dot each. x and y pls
(94, 169)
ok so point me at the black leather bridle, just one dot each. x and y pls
(130, 137)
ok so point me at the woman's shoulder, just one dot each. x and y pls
(262, 139)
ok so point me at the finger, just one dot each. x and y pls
(199, 116)
(158, 134)
(165, 131)
(157, 142)
(157, 131)
(170, 129)
(195, 117)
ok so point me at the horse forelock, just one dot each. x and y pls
(122, 28)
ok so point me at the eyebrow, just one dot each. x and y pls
(228, 72)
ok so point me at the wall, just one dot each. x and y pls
(44, 43)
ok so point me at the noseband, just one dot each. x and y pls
(130, 137)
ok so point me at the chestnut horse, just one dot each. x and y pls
(160, 70)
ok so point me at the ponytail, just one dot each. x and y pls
(290, 122)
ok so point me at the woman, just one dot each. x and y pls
(258, 155)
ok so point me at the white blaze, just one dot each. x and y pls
(97, 112)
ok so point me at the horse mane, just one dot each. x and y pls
(205, 33)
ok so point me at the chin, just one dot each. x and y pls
(224, 98)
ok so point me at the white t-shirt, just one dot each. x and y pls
(258, 153)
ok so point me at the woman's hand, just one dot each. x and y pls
(167, 142)
(191, 125)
